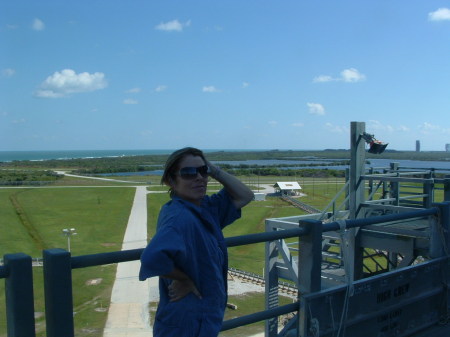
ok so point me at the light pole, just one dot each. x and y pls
(69, 232)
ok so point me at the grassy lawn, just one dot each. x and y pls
(99, 215)
(33, 218)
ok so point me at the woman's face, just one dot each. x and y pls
(191, 189)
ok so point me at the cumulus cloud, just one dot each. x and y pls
(298, 125)
(8, 72)
(133, 91)
(19, 121)
(428, 128)
(377, 126)
(161, 88)
(336, 128)
(68, 82)
(37, 25)
(350, 75)
(316, 108)
(323, 78)
(173, 26)
(210, 88)
(441, 14)
(130, 101)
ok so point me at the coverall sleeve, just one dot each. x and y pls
(166, 250)
(226, 210)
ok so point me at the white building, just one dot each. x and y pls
(288, 188)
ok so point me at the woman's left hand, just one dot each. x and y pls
(181, 288)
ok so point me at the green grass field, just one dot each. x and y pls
(33, 219)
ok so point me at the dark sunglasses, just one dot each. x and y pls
(190, 173)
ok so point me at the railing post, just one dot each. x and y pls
(447, 188)
(19, 296)
(271, 285)
(394, 185)
(309, 268)
(428, 187)
(310, 257)
(443, 228)
(58, 293)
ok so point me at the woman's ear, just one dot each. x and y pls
(170, 181)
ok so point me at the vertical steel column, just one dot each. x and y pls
(19, 296)
(394, 185)
(357, 191)
(428, 187)
(447, 188)
(58, 293)
(347, 190)
(271, 284)
(357, 167)
(309, 268)
(444, 218)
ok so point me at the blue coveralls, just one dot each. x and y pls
(190, 238)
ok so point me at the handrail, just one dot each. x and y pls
(351, 223)
(91, 260)
(58, 264)
(3, 272)
(259, 316)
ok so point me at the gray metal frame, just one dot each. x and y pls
(401, 241)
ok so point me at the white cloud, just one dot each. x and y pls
(386, 131)
(273, 123)
(440, 15)
(8, 72)
(38, 25)
(245, 84)
(323, 78)
(210, 88)
(161, 88)
(350, 75)
(68, 82)
(336, 128)
(298, 125)
(19, 121)
(428, 128)
(130, 101)
(316, 108)
(133, 91)
(173, 26)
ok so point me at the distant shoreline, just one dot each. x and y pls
(8, 156)
(214, 154)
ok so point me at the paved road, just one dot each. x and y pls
(128, 314)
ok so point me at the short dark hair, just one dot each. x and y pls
(172, 163)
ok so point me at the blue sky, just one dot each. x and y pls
(223, 74)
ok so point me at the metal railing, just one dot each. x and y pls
(58, 265)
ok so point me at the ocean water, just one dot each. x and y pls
(7, 156)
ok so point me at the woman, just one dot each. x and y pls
(188, 251)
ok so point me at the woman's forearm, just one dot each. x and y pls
(239, 192)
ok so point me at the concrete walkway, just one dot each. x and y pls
(128, 314)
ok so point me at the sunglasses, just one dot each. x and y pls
(190, 173)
